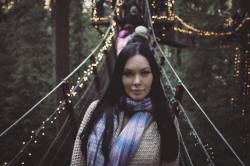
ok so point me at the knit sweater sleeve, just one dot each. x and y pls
(77, 158)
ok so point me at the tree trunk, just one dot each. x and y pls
(62, 40)
(62, 46)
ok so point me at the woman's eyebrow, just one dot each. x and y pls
(146, 68)
(131, 69)
(127, 69)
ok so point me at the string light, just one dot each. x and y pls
(247, 67)
(237, 62)
(171, 17)
(35, 133)
(79, 83)
(89, 71)
(242, 73)
(198, 31)
(170, 13)
(154, 6)
(228, 22)
(96, 20)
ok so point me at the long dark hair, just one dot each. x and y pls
(108, 104)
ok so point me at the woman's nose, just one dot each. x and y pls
(137, 80)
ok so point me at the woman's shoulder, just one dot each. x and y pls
(89, 112)
(91, 107)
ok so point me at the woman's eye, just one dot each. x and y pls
(145, 73)
(128, 73)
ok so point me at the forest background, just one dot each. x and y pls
(28, 72)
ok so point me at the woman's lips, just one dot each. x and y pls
(137, 92)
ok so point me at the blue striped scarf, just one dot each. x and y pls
(126, 143)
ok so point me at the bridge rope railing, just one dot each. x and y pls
(37, 131)
(33, 140)
(67, 120)
(59, 84)
(185, 149)
(169, 84)
(189, 93)
(74, 88)
(201, 109)
(60, 147)
(33, 137)
(183, 112)
(106, 40)
(54, 140)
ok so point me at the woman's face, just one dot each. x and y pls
(137, 77)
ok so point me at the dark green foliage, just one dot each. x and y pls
(26, 70)
(27, 67)
(207, 70)
(27, 73)
(83, 37)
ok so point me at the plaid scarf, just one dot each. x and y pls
(126, 143)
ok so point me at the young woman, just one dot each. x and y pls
(132, 123)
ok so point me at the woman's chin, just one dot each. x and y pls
(137, 97)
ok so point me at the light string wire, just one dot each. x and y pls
(74, 88)
(12, 162)
(116, 9)
(58, 85)
(147, 15)
(191, 29)
(60, 147)
(201, 109)
(185, 147)
(61, 105)
(178, 78)
(107, 41)
(190, 125)
(36, 133)
(54, 140)
(106, 46)
(207, 33)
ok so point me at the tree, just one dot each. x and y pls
(208, 70)
(26, 69)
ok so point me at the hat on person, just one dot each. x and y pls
(141, 31)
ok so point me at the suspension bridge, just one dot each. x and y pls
(88, 81)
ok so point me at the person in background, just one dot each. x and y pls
(123, 37)
(130, 14)
(127, 35)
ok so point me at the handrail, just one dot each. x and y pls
(58, 85)
(178, 78)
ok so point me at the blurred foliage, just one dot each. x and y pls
(207, 70)
(27, 67)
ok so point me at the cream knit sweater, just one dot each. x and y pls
(148, 153)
